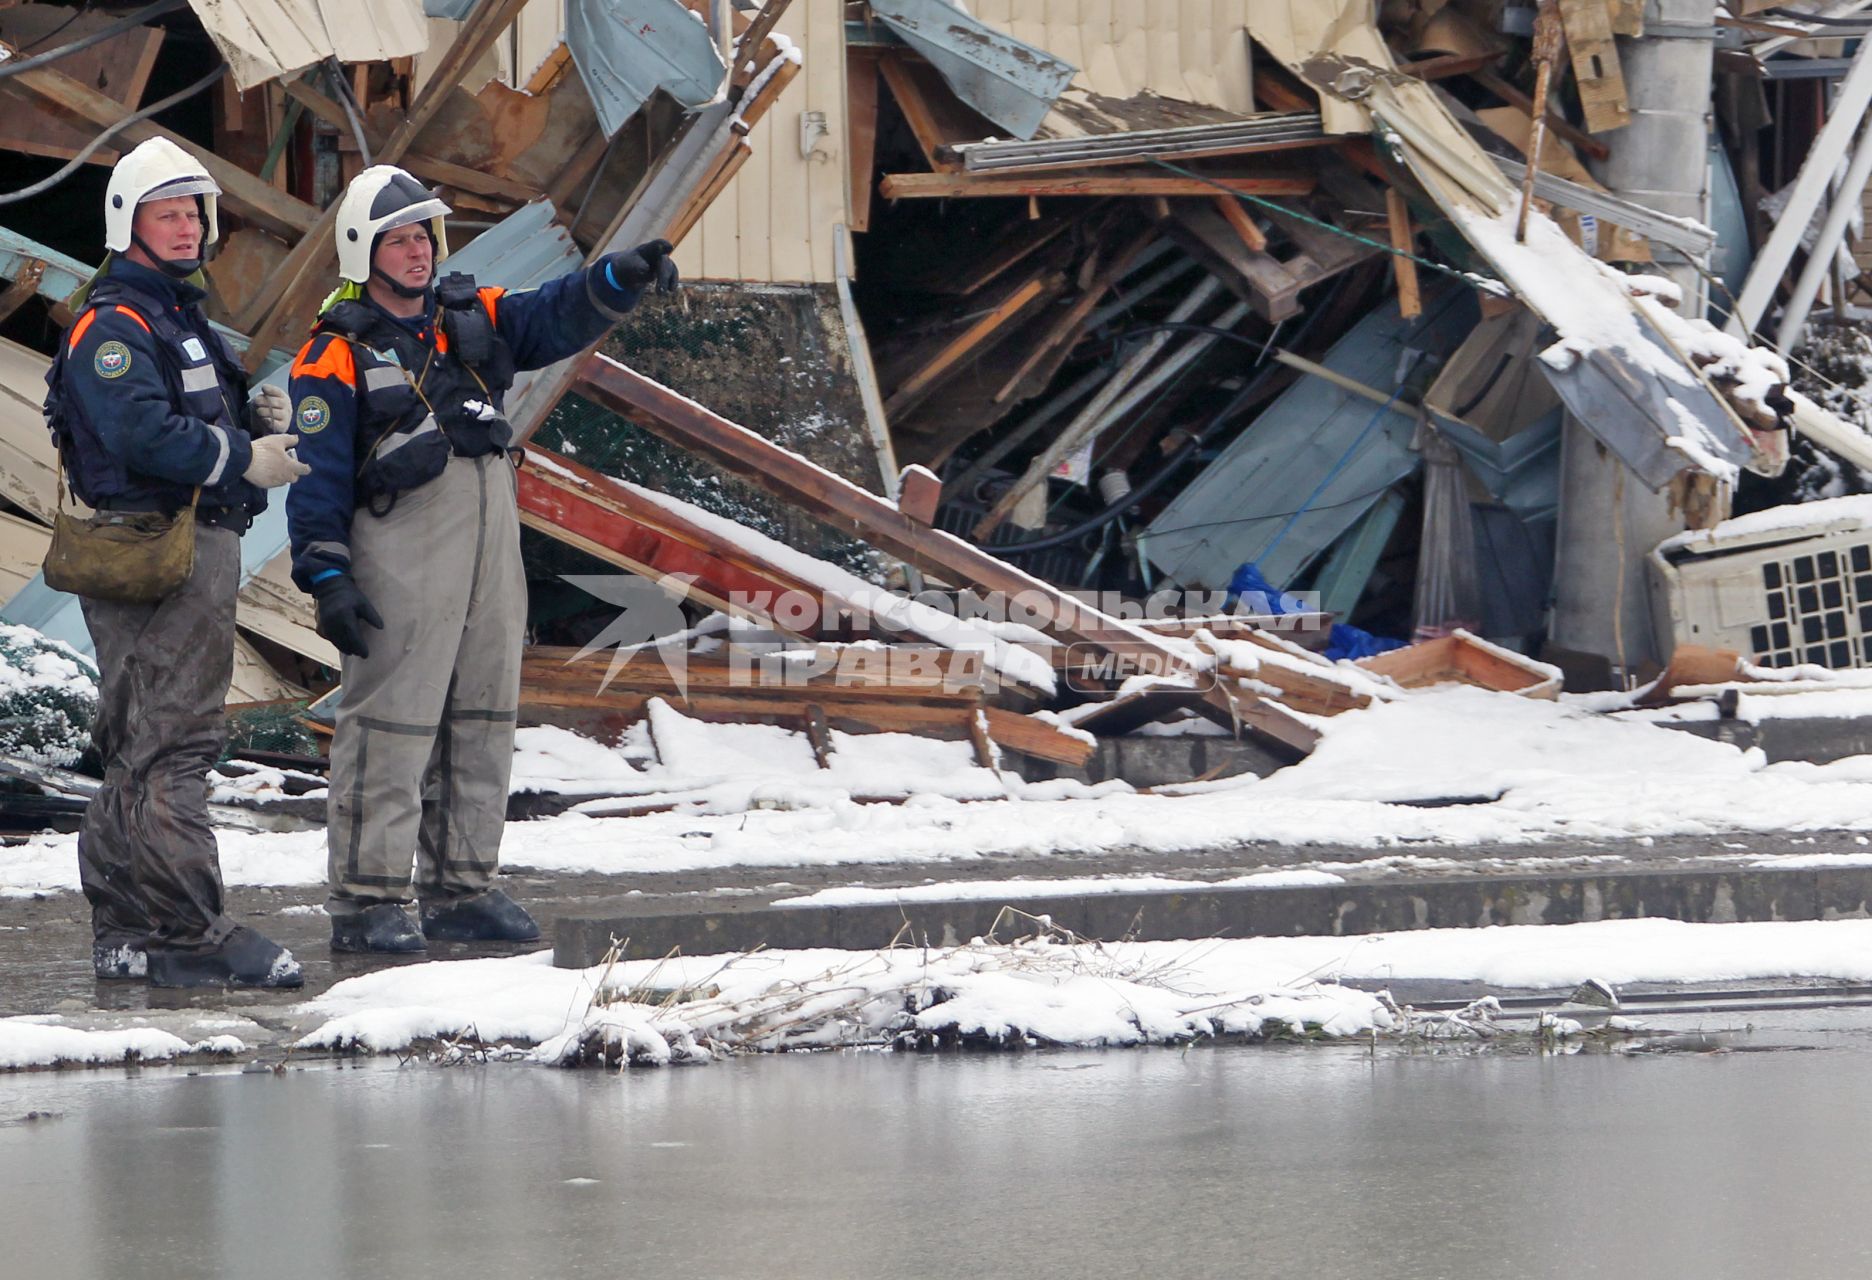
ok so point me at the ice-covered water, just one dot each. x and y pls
(1321, 1162)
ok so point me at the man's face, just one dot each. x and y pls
(172, 228)
(406, 256)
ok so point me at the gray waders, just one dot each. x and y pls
(424, 745)
(146, 855)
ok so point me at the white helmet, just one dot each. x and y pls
(157, 170)
(381, 199)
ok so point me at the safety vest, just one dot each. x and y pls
(418, 403)
(203, 380)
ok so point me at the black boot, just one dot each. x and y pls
(384, 927)
(244, 959)
(486, 917)
(118, 960)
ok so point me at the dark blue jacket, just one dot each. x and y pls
(539, 327)
(146, 402)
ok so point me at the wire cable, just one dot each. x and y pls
(127, 22)
(91, 148)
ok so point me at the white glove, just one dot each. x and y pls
(273, 462)
(272, 410)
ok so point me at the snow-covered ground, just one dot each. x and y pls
(750, 795)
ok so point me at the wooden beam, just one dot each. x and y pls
(242, 191)
(463, 178)
(942, 186)
(1580, 139)
(861, 117)
(698, 203)
(750, 40)
(919, 493)
(847, 507)
(25, 284)
(1245, 227)
(1450, 64)
(581, 508)
(919, 113)
(1397, 212)
(1036, 738)
(1018, 300)
(1054, 345)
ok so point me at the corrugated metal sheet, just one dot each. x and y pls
(776, 222)
(626, 50)
(1315, 432)
(266, 39)
(1009, 81)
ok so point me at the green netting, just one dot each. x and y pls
(273, 727)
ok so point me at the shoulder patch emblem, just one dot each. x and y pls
(313, 415)
(112, 360)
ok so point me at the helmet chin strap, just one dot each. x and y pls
(177, 268)
(401, 290)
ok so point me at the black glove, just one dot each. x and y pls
(647, 264)
(343, 613)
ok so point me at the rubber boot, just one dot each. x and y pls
(120, 960)
(384, 927)
(486, 917)
(245, 959)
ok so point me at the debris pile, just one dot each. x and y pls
(1052, 375)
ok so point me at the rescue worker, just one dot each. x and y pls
(149, 411)
(407, 534)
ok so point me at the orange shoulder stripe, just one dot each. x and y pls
(122, 310)
(333, 362)
(490, 298)
(78, 330)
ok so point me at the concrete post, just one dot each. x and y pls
(1608, 520)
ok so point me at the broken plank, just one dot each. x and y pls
(1034, 737)
(1237, 217)
(1596, 70)
(940, 186)
(1403, 263)
(1017, 301)
(846, 506)
(935, 116)
(753, 37)
(1582, 140)
(861, 114)
(584, 509)
(1056, 343)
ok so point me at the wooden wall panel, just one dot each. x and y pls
(774, 222)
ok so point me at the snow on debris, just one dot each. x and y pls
(652, 1013)
(36, 1042)
(1000, 645)
(1036, 991)
(1019, 887)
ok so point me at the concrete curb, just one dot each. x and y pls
(1699, 896)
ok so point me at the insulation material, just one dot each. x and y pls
(269, 39)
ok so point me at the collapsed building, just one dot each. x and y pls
(1231, 340)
